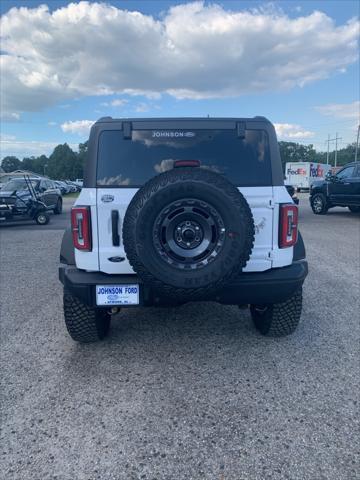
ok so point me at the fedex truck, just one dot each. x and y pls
(302, 174)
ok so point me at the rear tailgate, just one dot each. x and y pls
(113, 202)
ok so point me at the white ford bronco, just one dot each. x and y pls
(181, 209)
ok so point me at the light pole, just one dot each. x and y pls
(357, 143)
(328, 144)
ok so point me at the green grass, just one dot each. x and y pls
(71, 195)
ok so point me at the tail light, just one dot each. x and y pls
(288, 225)
(81, 228)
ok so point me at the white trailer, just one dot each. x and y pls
(302, 174)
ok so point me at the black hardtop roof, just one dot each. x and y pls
(240, 124)
(183, 119)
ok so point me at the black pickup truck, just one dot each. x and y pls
(339, 190)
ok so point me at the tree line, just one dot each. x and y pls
(65, 164)
(62, 164)
(297, 152)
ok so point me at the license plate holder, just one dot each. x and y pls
(123, 294)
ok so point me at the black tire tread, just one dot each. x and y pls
(179, 176)
(325, 208)
(46, 221)
(84, 324)
(280, 319)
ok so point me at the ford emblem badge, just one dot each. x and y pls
(107, 198)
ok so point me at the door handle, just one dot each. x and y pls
(115, 228)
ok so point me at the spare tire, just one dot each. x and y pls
(187, 232)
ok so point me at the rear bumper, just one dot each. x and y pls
(272, 286)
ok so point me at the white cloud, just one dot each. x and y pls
(142, 107)
(144, 93)
(118, 102)
(349, 111)
(164, 165)
(195, 50)
(6, 138)
(10, 146)
(292, 131)
(81, 127)
(9, 116)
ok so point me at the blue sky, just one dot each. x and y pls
(65, 68)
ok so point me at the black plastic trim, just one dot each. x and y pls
(299, 249)
(241, 128)
(115, 228)
(67, 251)
(272, 286)
(127, 128)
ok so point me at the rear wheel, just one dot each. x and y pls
(354, 209)
(278, 319)
(85, 324)
(319, 204)
(58, 208)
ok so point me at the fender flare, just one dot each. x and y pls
(67, 251)
(299, 249)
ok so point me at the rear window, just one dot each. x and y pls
(18, 185)
(132, 162)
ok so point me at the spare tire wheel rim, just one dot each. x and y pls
(188, 234)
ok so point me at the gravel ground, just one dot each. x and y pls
(185, 393)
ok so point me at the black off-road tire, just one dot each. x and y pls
(58, 208)
(42, 218)
(142, 218)
(319, 204)
(85, 324)
(354, 209)
(279, 319)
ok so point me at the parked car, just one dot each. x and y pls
(292, 192)
(78, 187)
(339, 190)
(72, 187)
(64, 187)
(167, 218)
(45, 190)
(60, 186)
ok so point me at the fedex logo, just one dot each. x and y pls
(316, 170)
(298, 171)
